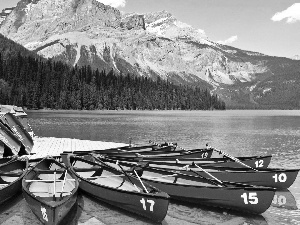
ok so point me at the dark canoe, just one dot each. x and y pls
(284, 199)
(276, 178)
(9, 139)
(203, 191)
(153, 156)
(129, 149)
(5, 160)
(258, 162)
(18, 130)
(118, 189)
(50, 190)
(11, 174)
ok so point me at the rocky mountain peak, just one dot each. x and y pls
(155, 44)
(38, 19)
(5, 12)
(166, 25)
(133, 21)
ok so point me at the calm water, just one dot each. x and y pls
(239, 133)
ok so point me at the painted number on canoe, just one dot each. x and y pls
(44, 213)
(259, 163)
(204, 155)
(150, 203)
(250, 198)
(280, 177)
(279, 200)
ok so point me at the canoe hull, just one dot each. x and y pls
(153, 205)
(146, 206)
(16, 186)
(47, 208)
(250, 200)
(19, 130)
(9, 139)
(202, 153)
(47, 214)
(219, 163)
(276, 178)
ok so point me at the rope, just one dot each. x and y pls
(234, 159)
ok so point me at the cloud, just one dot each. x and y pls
(291, 14)
(114, 3)
(228, 41)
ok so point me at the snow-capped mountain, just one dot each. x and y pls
(86, 32)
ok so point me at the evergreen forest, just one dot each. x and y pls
(35, 83)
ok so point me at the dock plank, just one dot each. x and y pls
(44, 146)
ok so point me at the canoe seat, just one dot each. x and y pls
(115, 181)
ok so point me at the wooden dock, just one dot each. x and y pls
(51, 146)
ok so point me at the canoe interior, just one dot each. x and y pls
(50, 190)
(47, 181)
(118, 188)
(106, 176)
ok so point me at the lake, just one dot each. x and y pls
(237, 132)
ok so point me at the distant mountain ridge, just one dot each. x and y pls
(5, 12)
(86, 32)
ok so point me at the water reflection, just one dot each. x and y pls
(284, 199)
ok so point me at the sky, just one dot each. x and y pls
(271, 27)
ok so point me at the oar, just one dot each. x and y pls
(54, 188)
(209, 174)
(183, 149)
(234, 159)
(117, 162)
(140, 181)
(63, 186)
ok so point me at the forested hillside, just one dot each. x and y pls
(37, 83)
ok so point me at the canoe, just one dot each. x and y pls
(11, 174)
(149, 153)
(12, 143)
(131, 149)
(258, 162)
(196, 153)
(50, 190)
(203, 191)
(268, 177)
(5, 160)
(118, 188)
(16, 127)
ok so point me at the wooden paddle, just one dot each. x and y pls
(120, 168)
(63, 186)
(209, 174)
(117, 162)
